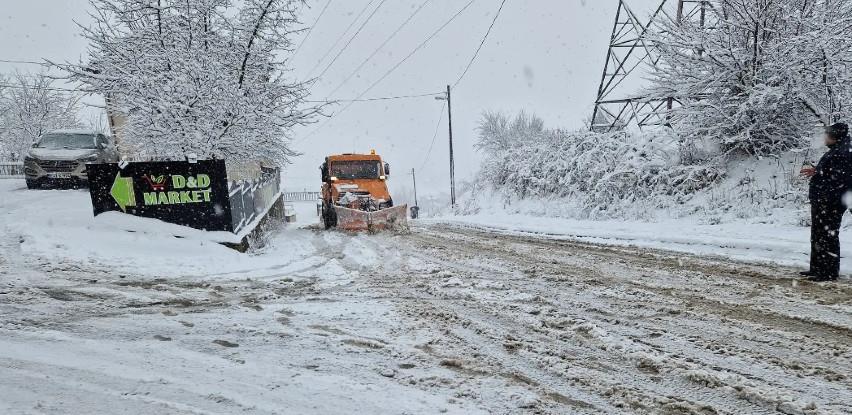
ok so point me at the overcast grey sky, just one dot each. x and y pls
(543, 56)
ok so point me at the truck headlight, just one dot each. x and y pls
(93, 157)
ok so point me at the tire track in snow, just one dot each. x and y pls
(694, 371)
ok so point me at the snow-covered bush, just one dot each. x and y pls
(207, 77)
(597, 175)
(530, 169)
(756, 77)
(767, 189)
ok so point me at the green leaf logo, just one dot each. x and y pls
(123, 193)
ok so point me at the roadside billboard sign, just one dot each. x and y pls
(189, 194)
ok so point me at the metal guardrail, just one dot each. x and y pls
(250, 198)
(302, 196)
(11, 169)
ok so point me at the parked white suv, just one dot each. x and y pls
(59, 158)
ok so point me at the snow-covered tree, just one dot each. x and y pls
(202, 76)
(500, 135)
(4, 145)
(758, 75)
(31, 105)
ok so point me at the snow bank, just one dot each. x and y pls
(766, 190)
(740, 240)
(58, 226)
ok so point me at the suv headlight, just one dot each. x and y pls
(93, 157)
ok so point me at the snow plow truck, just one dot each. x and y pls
(355, 194)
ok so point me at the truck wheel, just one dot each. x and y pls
(329, 217)
(325, 220)
(31, 184)
(332, 216)
(324, 216)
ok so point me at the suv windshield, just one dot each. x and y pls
(69, 141)
(355, 169)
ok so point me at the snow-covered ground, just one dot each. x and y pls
(121, 315)
(742, 240)
(117, 315)
(58, 225)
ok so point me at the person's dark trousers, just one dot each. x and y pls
(825, 238)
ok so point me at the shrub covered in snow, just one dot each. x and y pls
(581, 174)
(597, 174)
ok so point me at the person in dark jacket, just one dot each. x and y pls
(830, 181)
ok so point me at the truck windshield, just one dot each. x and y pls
(355, 169)
(70, 141)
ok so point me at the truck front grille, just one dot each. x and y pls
(360, 194)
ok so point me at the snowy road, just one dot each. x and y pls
(610, 330)
(442, 320)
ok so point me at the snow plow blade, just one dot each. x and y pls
(395, 218)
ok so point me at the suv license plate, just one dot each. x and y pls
(59, 175)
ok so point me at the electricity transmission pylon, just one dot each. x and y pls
(618, 104)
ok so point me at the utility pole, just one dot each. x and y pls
(449, 100)
(452, 157)
(414, 178)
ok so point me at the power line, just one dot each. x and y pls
(434, 137)
(339, 38)
(420, 46)
(311, 29)
(52, 88)
(357, 100)
(482, 43)
(393, 69)
(28, 75)
(378, 49)
(346, 46)
(430, 94)
(46, 88)
(24, 62)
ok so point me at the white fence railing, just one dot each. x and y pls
(302, 196)
(11, 169)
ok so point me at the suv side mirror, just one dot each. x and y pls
(387, 169)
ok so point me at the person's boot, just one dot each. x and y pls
(822, 278)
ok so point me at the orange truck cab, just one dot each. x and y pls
(354, 187)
